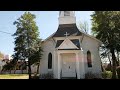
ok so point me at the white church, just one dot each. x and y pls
(70, 53)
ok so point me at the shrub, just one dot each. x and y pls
(108, 68)
(91, 75)
(107, 75)
(118, 72)
(47, 76)
(35, 76)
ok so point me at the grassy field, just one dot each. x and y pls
(14, 76)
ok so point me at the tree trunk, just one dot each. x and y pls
(38, 68)
(21, 70)
(118, 58)
(10, 71)
(29, 69)
(110, 61)
(113, 63)
(102, 67)
(15, 69)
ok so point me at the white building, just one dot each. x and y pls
(9, 57)
(2, 63)
(68, 52)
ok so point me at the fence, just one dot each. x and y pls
(15, 72)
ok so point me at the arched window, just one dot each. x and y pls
(66, 13)
(49, 61)
(89, 61)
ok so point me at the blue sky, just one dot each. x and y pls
(47, 21)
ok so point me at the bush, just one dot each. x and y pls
(107, 75)
(118, 72)
(91, 75)
(35, 76)
(108, 68)
(47, 76)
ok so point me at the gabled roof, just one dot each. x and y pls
(68, 44)
(58, 43)
(71, 29)
(91, 37)
(74, 41)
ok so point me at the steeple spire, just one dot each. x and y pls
(67, 17)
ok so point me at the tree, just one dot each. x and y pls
(84, 26)
(9, 66)
(106, 27)
(105, 54)
(26, 37)
(36, 57)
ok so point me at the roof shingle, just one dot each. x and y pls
(71, 29)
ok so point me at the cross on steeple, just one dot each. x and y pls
(66, 34)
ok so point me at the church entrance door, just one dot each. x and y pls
(68, 65)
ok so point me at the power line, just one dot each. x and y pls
(6, 32)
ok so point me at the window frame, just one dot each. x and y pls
(50, 60)
(89, 59)
(66, 13)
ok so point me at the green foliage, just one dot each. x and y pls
(27, 42)
(35, 76)
(106, 27)
(47, 76)
(118, 72)
(37, 54)
(90, 75)
(108, 68)
(26, 36)
(9, 65)
(107, 75)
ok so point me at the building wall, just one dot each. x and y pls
(93, 46)
(34, 68)
(48, 47)
(2, 64)
(67, 20)
(87, 44)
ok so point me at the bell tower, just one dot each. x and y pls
(67, 17)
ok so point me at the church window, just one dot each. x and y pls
(49, 61)
(89, 61)
(66, 13)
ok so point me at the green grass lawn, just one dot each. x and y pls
(14, 76)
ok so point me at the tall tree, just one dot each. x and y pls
(36, 56)
(106, 27)
(84, 26)
(26, 37)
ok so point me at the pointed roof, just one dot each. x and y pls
(67, 44)
(69, 28)
(73, 44)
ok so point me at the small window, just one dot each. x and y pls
(66, 13)
(89, 61)
(49, 61)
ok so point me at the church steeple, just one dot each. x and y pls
(67, 17)
(67, 25)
